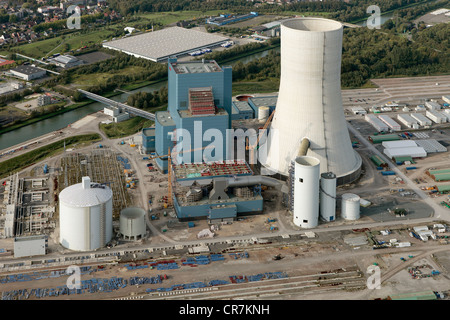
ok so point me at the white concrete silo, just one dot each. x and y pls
(85, 216)
(306, 192)
(328, 196)
(132, 223)
(350, 206)
(309, 102)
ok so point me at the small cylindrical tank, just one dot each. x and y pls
(132, 223)
(350, 208)
(263, 113)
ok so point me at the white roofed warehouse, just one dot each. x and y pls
(159, 45)
(27, 72)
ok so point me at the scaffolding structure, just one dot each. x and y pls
(26, 207)
(210, 170)
(102, 167)
(291, 183)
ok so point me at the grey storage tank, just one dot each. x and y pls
(132, 223)
(328, 196)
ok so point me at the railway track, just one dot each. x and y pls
(269, 289)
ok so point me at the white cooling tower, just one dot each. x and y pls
(306, 192)
(309, 102)
(85, 216)
(328, 196)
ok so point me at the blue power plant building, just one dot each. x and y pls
(199, 104)
(206, 183)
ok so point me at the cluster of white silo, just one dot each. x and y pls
(85, 217)
(315, 195)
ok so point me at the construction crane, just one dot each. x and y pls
(252, 148)
(169, 170)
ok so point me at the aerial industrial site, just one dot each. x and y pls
(298, 194)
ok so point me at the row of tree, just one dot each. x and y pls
(126, 7)
(148, 100)
(371, 54)
(341, 10)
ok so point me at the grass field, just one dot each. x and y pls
(98, 78)
(128, 127)
(74, 41)
(266, 86)
(166, 18)
(125, 128)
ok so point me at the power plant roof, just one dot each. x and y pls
(85, 194)
(204, 66)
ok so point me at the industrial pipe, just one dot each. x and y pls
(304, 146)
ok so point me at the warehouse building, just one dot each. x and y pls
(421, 119)
(431, 145)
(359, 110)
(390, 122)
(399, 144)
(65, 61)
(432, 105)
(224, 19)
(28, 72)
(408, 121)
(30, 246)
(376, 122)
(436, 116)
(446, 98)
(403, 148)
(423, 295)
(378, 161)
(383, 137)
(159, 45)
(413, 152)
(439, 174)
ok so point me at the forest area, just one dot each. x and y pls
(346, 11)
(370, 54)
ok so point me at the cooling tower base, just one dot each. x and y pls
(342, 179)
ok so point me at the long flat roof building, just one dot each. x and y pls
(159, 45)
(27, 72)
